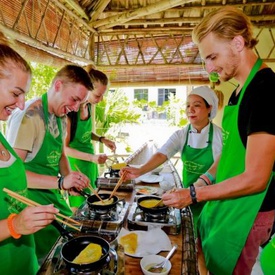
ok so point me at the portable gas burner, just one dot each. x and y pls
(169, 221)
(54, 264)
(109, 182)
(104, 223)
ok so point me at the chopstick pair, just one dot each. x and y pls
(111, 160)
(167, 192)
(91, 188)
(117, 185)
(33, 203)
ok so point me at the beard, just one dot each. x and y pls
(230, 68)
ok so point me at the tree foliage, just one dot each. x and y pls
(115, 108)
(42, 76)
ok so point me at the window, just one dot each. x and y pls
(163, 95)
(140, 94)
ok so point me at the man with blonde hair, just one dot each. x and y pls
(239, 214)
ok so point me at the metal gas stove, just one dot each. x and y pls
(55, 265)
(108, 182)
(105, 224)
(170, 222)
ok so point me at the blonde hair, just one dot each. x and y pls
(226, 23)
(9, 57)
(96, 75)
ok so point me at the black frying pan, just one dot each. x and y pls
(91, 199)
(154, 210)
(75, 245)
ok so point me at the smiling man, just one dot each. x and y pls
(37, 135)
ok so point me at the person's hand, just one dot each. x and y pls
(32, 219)
(179, 198)
(100, 158)
(110, 144)
(77, 180)
(130, 172)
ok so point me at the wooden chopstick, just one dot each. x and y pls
(33, 203)
(167, 192)
(111, 159)
(117, 185)
(90, 187)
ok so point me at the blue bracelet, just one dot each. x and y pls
(211, 177)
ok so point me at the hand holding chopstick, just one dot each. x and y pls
(91, 188)
(118, 184)
(33, 203)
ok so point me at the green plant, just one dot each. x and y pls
(42, 76)
(114, 111)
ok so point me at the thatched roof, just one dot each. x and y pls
(136, 42)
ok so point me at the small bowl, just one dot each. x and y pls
(147, 261)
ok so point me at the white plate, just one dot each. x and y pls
(146, 190)
(150, 242)
(150, 178)
(141, 253)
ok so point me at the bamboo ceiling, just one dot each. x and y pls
(135, 42)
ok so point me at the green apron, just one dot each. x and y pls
(82, 142)
(225, 224)
(17, 256)
(46, 162)
(267, 258)
(196, 161)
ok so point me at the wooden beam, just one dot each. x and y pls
(164, 31)
(163, 66)
(99, 9)
(158, 83)
(73, 5)
(72, 14)
(127, 16)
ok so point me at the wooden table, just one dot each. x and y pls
(184, 259)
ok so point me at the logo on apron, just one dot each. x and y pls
(86, 137)
(191, 166)
(53, 158)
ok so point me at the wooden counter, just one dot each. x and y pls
(184, 259)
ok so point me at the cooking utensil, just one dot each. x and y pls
(153, 210)
(75, 245)
(101, 207)
(160, 202)
(114, 161)
(90, 187)
(159, 267)
(118, 184)
(91, 199)
(33, 203)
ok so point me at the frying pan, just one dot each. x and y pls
(91, 199)
(75, 245)
(153, 210)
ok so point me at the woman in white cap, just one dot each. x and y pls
(199, 143)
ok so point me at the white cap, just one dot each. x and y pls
(209, 95)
